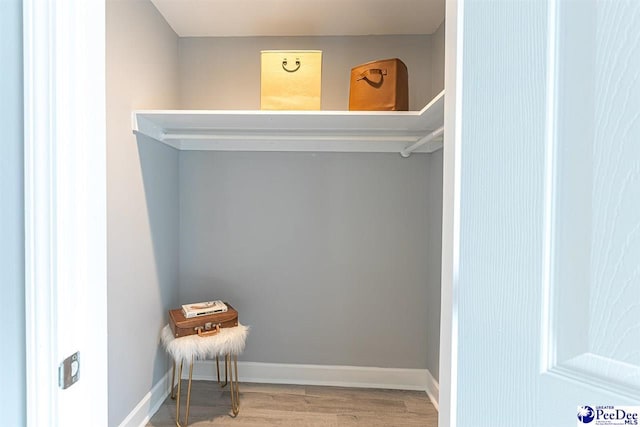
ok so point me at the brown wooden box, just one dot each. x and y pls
(202, 325)
(379, 86)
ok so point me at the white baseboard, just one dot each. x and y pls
(149, 404)
(433, 390)
(327, 375)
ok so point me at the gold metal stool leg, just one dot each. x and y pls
(218, 367)
(186, 420)
(173, 382)
(226, 373)
(233, 388)
(179, 392)
(235, 362)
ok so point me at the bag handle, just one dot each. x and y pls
(284, 65)
(213, 331)
(371, 71)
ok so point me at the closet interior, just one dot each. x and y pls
(323, 228)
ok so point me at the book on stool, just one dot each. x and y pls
(203, 308)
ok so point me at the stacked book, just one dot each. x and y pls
(206, 308)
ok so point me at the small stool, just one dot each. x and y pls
(227, 343)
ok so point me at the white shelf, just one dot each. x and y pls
(335, 131)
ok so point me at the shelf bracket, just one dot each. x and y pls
(424, 140)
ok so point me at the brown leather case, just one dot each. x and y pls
(202, 325)
(380, 86)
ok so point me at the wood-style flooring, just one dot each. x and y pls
(300, 406)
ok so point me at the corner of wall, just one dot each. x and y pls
(437, 59)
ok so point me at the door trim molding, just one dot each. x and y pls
(447, 400)
(598, 372)
(65, 209)
(40, 206)
(547, 347)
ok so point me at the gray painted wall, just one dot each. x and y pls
(142, 192)
(437, 60)
(224, 72)
(311, 248)
(294, 229)
(433, 261)
(12, 357)
(434, 216)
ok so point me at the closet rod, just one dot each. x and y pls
(428, 138)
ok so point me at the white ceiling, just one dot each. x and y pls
(219, 18)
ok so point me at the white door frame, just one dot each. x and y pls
(65, 208)
(447, 400)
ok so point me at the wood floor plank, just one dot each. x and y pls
(374, 393)
(325, 404)
(420, 405)
(368, 419)
(273, 388)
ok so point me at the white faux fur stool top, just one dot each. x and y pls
(227, 341)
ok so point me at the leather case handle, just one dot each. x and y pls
(365, 75)
(293, 70)
(204, 333)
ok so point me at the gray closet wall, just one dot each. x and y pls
(142, 202)
(332, 258)
(221, 73)
(325, 255)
